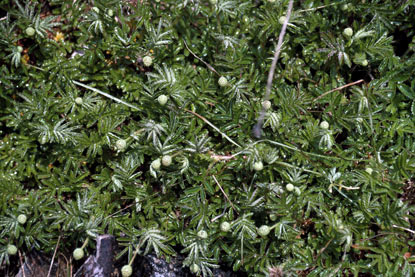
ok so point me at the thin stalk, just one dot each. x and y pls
(106, 95)
(258, 126)
(213, 126)
(339, 88)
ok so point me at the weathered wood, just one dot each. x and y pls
(100, 265)
(105, 253)
(36, 264)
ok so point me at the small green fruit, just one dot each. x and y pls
(11, 249)
(213, 2)
(369, 170)
(289, 187)
(225, 226)
(223, 82)
(297, 191)
(266, 104)
(162, 99)
(78, 254)
(43, 140)
(22, 219)
(30, 31)
(166, 160)
(273, 217)
(110, 13)
(121, 144)
(348, 32)
(344, 7)
(194, 268)
(202, 234)
(264, 230)
(78, 100)
(282, 19)
(365, 63)
(271, 1)
(126, 271)
(148, 61)
(324, 125)
(156, 164)
(245, 19)
(95, 9)
(19, 49)
(258, 166)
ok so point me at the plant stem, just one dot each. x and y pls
(85, 243)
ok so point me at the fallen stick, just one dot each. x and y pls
(258, 126)
(339, 88)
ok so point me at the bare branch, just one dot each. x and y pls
(339, 88)
(224, 193)
(213, 126)
(53, 257)
(208, 65)
(258, 126)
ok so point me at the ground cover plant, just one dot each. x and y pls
(137, 119)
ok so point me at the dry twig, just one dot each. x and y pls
(208, 65)
(22, 264)
(213, 126)
(224, 193)
(339, 88)
(53, 257)
(322, 249)
(258, 126)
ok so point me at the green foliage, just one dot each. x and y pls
(80, 85)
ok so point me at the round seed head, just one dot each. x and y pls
(78, 100)
(22, 218)
(30, 31)
(225, 226)
(148, 61)
(121, 144)
(258, 166)
(194, 268)
(324, 125)
(166, 160)
(264, 230)
(289, 187)
(162, 99)
(282, 19)
(202, 234)
(126, 271)
(223, 82)
(266, 104)
(11, 249)
(156, 164)
(78, 253)
(348, 32)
